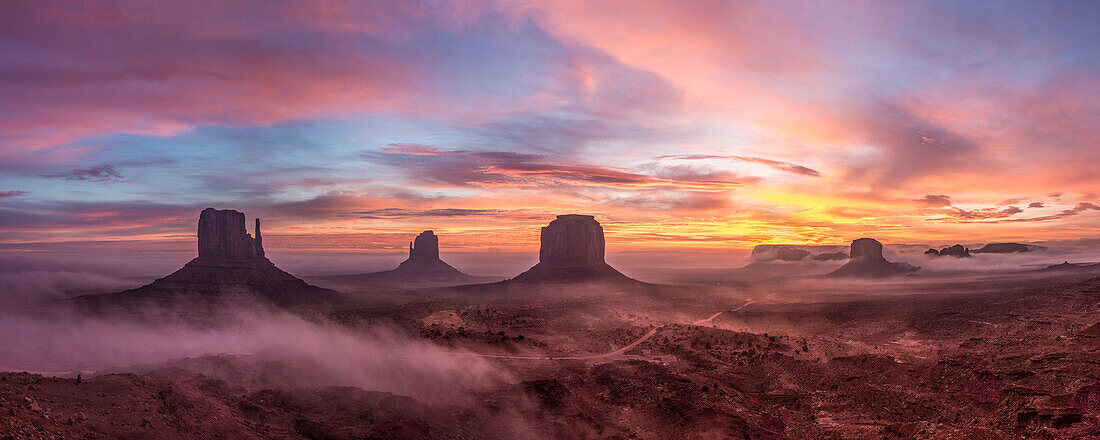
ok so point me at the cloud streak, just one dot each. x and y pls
(935, 200)
(994, 215)
(105, 173)
(770, 163)
(511, 169)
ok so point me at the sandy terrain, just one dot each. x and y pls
(958, 358)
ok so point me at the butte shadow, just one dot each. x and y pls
(231, 267)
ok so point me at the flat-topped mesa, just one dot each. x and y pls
(572, 240)
(572, 249)
(866, 248)
(424, 247)
(777, 252)
(866, 261)
(222, 235)
(1007, 248)
(830, 256)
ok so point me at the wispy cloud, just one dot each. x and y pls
(105, 173)
(417, 150)
(770, 163)
(390, 213)
(994, 215)
(935, 200)
(511, 169)
(982, 214)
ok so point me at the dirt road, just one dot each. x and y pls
(622, 350)
(717, 314)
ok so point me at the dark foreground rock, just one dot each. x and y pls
(177, 404)
(572, 250)
(866, 261)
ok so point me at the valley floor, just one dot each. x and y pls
(967, 359)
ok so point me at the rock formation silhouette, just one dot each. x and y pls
(866, 261)
(230, 263)
(830, 256)
(957, 251)
(425, 247)
(791, 254)
(572, 249)
(1072, 267)
(780, 252)
(422, 267)
(222, 235)
(1006, 248)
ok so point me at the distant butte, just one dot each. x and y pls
(957, 251)
(1077, 267)
(777, 252)
(830, 256)
(231, 263)
(866, 261)
(572, 250)
(1006, 248)
(422, 267)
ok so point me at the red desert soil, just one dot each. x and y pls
(1002, 361)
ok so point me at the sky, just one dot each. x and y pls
(688, 126)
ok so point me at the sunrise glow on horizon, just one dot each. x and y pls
(354, 125)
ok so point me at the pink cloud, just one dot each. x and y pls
(162, 69)
(770, 163)
(507, 169)
(7, 194)
(935, 200)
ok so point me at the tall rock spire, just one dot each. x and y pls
(258, 241)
